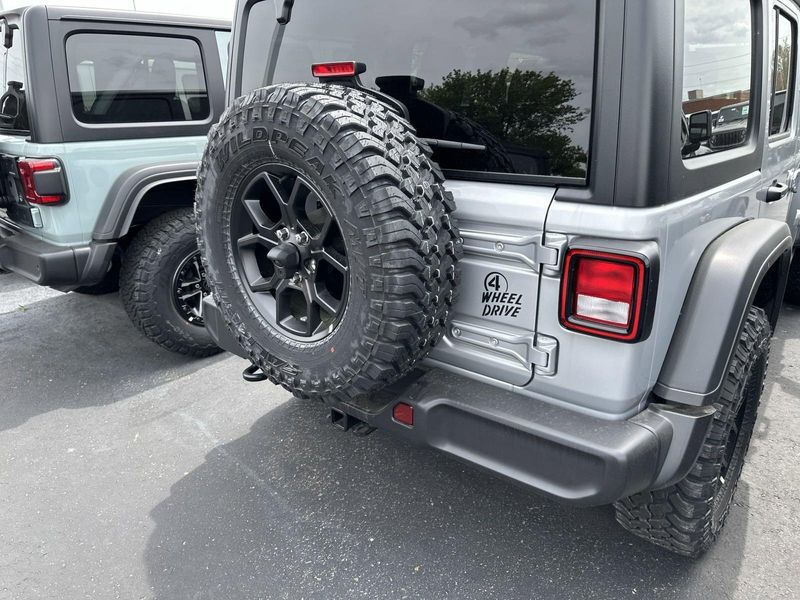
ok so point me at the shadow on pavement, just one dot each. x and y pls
(74, 351)
(296, 509)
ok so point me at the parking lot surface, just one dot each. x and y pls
(129, 472)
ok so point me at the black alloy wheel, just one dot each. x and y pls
(290, 253)
(189, 288)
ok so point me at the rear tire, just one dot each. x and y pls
(148, 282)
(687, 517)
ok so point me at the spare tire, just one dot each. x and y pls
(327, 238)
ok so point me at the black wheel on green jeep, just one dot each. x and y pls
(327, 237)
(687, 517)
(109, 284)
(162, 285)
(793, 283)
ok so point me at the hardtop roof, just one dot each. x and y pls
(66, 13)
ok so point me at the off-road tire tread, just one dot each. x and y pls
(138, 284)
(679, 517)
(413, 275)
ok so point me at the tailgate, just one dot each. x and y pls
(494, 318)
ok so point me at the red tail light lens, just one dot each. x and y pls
(337, 69)
(32, 172)
(602, 294)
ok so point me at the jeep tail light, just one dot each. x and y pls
(602, 294)
(42, 181)
(337, 70)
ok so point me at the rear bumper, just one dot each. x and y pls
(47, 264)
(576, 458)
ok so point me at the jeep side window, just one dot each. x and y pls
(717, 72)
(117, 78)
(499, 89)
(783, 55)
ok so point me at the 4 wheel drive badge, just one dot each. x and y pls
(497, 300)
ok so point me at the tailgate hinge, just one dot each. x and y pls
(527, 249)
(556, 247)
(538, 350)
(544, 355)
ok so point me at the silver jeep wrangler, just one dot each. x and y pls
(508, 231)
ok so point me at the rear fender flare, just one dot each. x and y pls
(127, 192)
(723, 288)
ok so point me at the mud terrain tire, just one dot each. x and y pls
(687, 517)
(364, 165)
(147, 284)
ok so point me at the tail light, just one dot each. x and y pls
(603, 294)
(42, 180)
(338, 70)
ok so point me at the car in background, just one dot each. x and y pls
(102, 124)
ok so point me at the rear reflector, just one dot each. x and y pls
(602, 294)
(336, 70)
(403, 413)
(32, 172)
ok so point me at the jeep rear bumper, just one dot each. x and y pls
(61, 267)
(562, 453)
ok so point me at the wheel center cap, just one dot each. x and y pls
(286, 258)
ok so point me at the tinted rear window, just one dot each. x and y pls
(510, 81)
(115, 78)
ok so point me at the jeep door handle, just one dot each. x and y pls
(775, 192)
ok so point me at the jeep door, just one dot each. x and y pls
(781, 163)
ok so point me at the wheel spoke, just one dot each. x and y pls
(318, 240)
(256, 239)
(263, 284)
(287, 211)
(334, 261)
(312, 313)
(257, 215)
(282, 308)
(329, 304)
(191, 294)
(191, 282)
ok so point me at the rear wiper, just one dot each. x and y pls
(286, 12)
(277, 39)
(437, 143)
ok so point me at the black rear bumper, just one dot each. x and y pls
(47, 264)
(562, 453)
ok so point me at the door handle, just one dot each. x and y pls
(775, 192)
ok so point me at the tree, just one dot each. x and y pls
(526, 108)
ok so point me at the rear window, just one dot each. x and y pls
(508, 84)
(117, 78)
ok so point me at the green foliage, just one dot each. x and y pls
(528, 108)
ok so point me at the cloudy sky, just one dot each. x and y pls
(201, 8)
(718, 46)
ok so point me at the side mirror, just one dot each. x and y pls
(700, 125)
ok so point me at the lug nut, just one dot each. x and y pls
(303, 239)
(283, 234)
(312, 266)
(297, 278)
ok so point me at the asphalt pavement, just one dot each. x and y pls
(130, 472)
